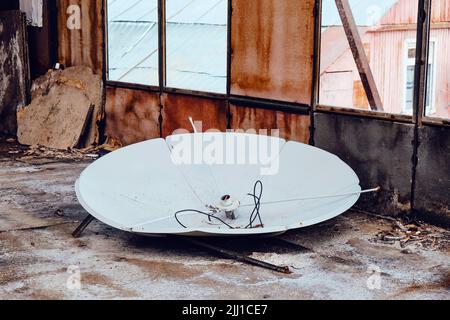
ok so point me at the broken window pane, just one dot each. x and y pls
(133, 41)
(438, 81)
(196, 40)
(383, 40)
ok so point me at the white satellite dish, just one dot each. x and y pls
(216, 184)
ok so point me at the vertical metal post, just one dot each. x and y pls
(421, 68)
(162, 44)
(420, 82)
(162, 59)
(316, 66)
(229, 49)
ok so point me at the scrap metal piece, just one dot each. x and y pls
(83, 225)
(238, 256)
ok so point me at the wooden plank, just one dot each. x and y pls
(361, 60)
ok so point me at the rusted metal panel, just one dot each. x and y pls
(294, 127)
(379, 151)
(272, 49)
(14, 71)
(178, 108)
(80, 33)
(132, 115)
(432, 197)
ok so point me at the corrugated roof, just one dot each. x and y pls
(196, 43)
(366, 12)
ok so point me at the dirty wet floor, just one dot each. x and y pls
(341, 259)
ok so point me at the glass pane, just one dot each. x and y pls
(409, 89)
(196, 40)
(438, 81)
(133, 41)
(412, 53)
(387, 29)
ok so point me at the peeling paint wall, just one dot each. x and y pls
(14, 80)
(272, 49)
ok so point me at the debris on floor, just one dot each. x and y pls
(334, 260)
(414, 233)
(65, 109)
(68, 154)
(9, 148)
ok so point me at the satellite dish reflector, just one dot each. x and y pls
(216, 184)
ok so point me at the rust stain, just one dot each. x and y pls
(165, 269)
(442, 283)
(178, 108)
(132, 115)
(83, 46)
(272, 49)
(97, 279)
(292, 126)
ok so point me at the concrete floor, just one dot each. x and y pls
(339, 259)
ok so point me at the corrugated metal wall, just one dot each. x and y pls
(80, 44)
(405, 12)
(388, 66)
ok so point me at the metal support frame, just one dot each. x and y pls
(316, 67)
(420, 82)
(361, 60)
(162, 44)
(82, 226)
(238, 256)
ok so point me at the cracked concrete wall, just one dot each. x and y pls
(14, 81)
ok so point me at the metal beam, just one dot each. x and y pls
(162, 44)
(362, 63)
(420, 83)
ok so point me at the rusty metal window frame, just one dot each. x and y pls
(122, 84)
(420, 77)
(162, 57)
(275, 105)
